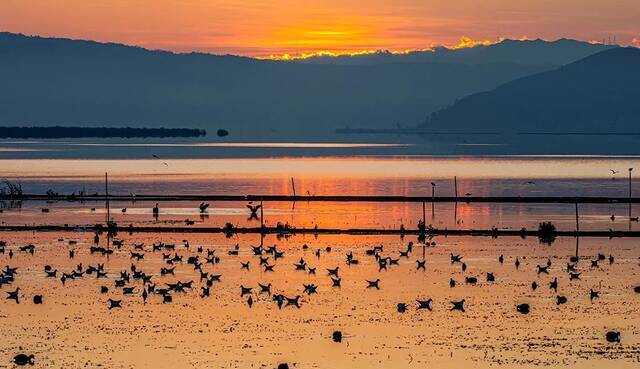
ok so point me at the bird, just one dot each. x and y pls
(458, 305)
(250, 301)
(613, 337)
(471, 280)
(517, 263)
(523, 308)
(543, 269)
(14, 295)
(373, 284)
(37, 299)
(254, 210)
(456, 258)
(244, 265)
(295, 301)
(593, 294)
(301, 265)
(452, 282)
(310, 288)
(534, 285)
(501, 259)
(421, 264)
(333, 272)
(114, 304)
(203, 207)
(279, 299)
(554, 285)
(205, 291)
(424, 304)
(336, 282)
(23, 359)
(561, 300)
(337, 336)
(265, 288)
(401, 307)
(245, 290)
(491, 277)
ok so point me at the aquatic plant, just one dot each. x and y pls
(11, 190)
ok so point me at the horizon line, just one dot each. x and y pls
(464, 43)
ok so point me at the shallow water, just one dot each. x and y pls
(74, 328)
(479, 176)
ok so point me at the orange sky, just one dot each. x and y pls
(265, 27)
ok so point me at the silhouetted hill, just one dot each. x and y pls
(527, 52)
(48, 81)
(595, 94)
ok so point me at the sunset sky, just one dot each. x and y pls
(266, 27)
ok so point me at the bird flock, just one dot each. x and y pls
(153, 285)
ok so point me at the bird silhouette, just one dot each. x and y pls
(458, 305)
(424, 304)
(23, 359)
(114, 304)
(523, 308)
(373, 284)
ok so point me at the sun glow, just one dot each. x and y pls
(465, 42)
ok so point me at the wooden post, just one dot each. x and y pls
(424, 217)
(577, 229)
(293, 184)
(455, 186)
(455, 213)
(261, 216)
(106, 197)
(630, 169)
(433, 196)
(577, 219)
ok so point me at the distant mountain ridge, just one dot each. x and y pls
(598, 94)
(49, 81)
(527, 52)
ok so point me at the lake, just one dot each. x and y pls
(74, 327)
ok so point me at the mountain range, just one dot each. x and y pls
(523, 52)
(53, 81)
(597, 94)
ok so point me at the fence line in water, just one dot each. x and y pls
(331, 198)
